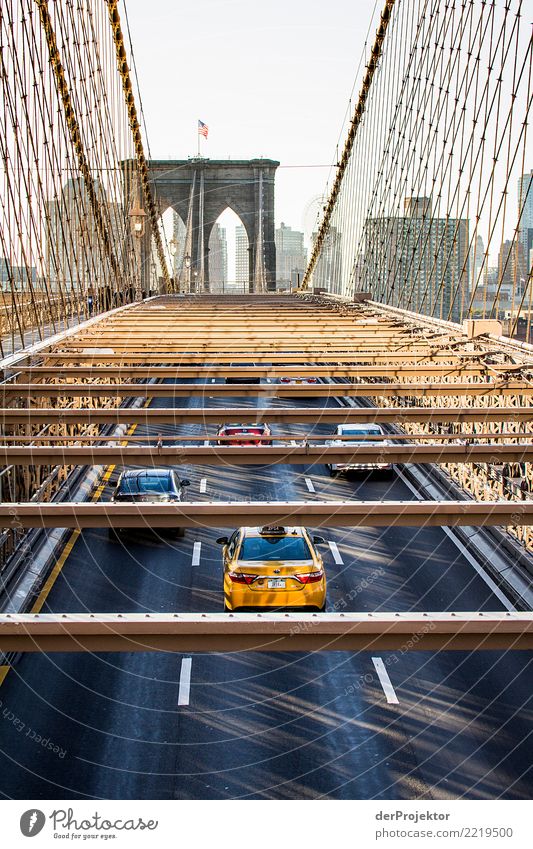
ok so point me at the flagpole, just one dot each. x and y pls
(198, 133)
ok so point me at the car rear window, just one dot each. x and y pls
(133, 486)
(230, 431)
(366, 431)
(274, 548)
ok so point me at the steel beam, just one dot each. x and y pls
(481, 437)
(374, 356)
(205, 329)
(267, 322)
(259, 455)
(272, 390)
(244, 415)
(272, 632)
(223, 514)
(205, 372)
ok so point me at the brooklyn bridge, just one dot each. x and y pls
(262, 541)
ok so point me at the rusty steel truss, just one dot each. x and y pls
(457, 396)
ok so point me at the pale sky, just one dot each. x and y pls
(270, 79)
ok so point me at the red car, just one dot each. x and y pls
(291, 381)
(253, 434)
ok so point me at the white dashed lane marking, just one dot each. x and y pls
(336, 553)
(196, 551)
(185, 681)
(203, 484)
(385, 681)
(309, 485)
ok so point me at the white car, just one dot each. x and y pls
(357, 430)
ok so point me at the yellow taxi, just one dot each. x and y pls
(273, 567)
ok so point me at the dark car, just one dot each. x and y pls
(243, 379)
(140, 485)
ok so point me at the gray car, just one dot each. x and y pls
(140, 485)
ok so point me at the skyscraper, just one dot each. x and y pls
(291, 255)
(218, 257)
(75, 256)
(179, 232)
(525, 212)
(417, 261)
(242, 267)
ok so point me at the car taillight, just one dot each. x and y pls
(309, 577)
(242, 577)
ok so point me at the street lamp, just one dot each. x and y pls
(187, 281)
(137, 216)
(137, 219)
(173, 248)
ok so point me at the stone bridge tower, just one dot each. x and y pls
(199, 190)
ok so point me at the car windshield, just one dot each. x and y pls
(133, 486)
(274, 548)
(362, 431)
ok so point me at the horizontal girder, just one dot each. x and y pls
(245, 415)
(222, 632)
(272, 390)
(186, 372)
(372, 356)
(255, 333)
(222, 514)
(258, 455)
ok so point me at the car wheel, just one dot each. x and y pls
(178, 533)
(227, 609)
(333, 473)
(387, 474)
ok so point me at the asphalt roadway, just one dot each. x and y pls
(401, 725)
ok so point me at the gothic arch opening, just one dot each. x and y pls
(229, 262)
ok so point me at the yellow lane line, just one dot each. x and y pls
(56, 571)
(54, 574)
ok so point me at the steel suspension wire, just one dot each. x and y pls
(356, 120)
(136, 132)
(424, 214)
(69, 152)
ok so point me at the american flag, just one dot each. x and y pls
(203, 129)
